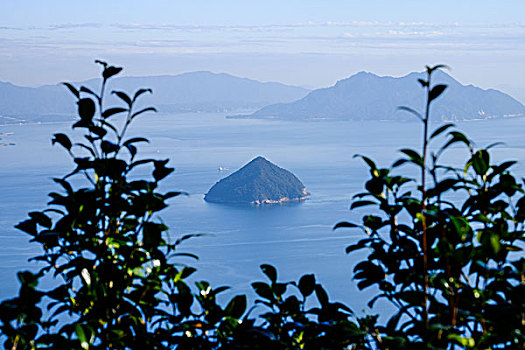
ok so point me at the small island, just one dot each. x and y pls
(258, 182)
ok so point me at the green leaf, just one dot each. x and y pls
(411, 297)
(263, 290)
(367, 160)
(109, 125)
(498, 169)
(430, 70)
(399, 162)
(467, 342)
(135, 140)
(440, 130)
(345, 224)
(161, 171)
(456, 136)
(236, 307)
(73, 90)
(132, 150)
(307, 284)
(140, 92)
(413, 156)
(461, 225)
(28, 226)
(86, 109)
(269, 271)
(436, 92)
(373, 222)
(81, 335)
(495, 243)
(358, 204)
(172, 194)
(109, 147)
(321, 294)
(494, 144)
(369, 274)
(65, 185)
(123, 96)
(97, 130)
(28, 279)
(442, 187)
(63, 140)
(112, 111)
(144, 110)
(152, 234)
(88, 91)
(423, 83)
(110, 71)
(359, 245)
(480, 162)
(375, 186)
(41, 219)
(411, 111)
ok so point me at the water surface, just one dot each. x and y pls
(296, 238)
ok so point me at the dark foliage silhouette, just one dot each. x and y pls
(118, 282)
(443, 249)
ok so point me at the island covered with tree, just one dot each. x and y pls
(258, 182)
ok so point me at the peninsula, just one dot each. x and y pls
(258, 182)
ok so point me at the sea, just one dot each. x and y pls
(236, 240)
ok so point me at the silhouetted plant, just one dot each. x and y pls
(103, 242)
(116, 284)
(290, 324)
(442, 248)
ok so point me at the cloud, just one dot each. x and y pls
(62, 26)
(318, 37)
(269, 27)
(72, 26)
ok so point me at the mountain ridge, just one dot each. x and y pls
(367, 96)
(201, 91)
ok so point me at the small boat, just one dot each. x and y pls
(222, 169)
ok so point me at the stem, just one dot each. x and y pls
(102, 218)
(424, 202)
(124, 129)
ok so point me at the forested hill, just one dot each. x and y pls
(258, 182)
(189, 92)
(366, 96)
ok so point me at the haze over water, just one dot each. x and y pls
(296, 238)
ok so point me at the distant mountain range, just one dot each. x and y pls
(188, 92)
(366, 96)
(363, 96)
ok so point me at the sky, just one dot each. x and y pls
(300, 42)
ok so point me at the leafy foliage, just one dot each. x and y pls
(443, 249)
(116, 280)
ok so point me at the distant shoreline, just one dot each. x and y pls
(280, 201)
(33, 123)
(305, 120)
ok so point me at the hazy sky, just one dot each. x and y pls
(302, 42)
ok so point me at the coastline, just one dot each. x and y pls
(282, 200)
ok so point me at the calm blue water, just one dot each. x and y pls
(296, 238)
